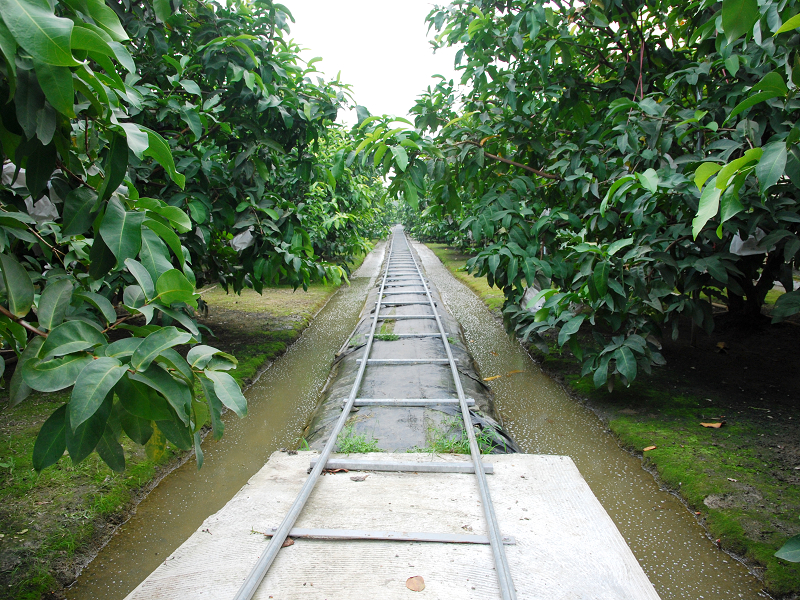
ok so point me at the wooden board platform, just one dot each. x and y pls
(566, 547)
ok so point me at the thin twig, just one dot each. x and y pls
(22, 322)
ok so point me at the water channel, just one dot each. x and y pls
(672, 548)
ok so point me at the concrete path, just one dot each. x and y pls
(566, 547)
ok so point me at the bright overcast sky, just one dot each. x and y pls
(380, 47)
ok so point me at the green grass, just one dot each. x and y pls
(350, 442)
(456, 262)
(450, 437)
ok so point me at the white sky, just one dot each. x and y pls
(380, 47)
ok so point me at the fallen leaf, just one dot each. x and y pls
(512, 372)
(649, 448)
(332, 471)
(492, 378)
(24, 531)
(732, 479)
(713, 425)
(287, 542)
(359, 478)
(416, 583)
(722, 348)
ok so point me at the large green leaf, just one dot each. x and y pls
(570, 328)
(79, 206)
(143, 278)
(168, 235)
(790, 24)
(154, 254)
(122, 348)
(107, 19)
(101, 259)
(708, 208)
(138, 429)
(18, 390)
(155, 343)
(228, 391)
(142, 401)
(69, 337)
(92, 386)
(115, 166)
(43, 35)
(18, 284)
(738, 17)
(159, 150)
(101, 303)
(173, 286)
(53, 303)
(110, 450)
(791, 549)
(122, 230)
(600, 277)
(56, 374)
(199, 356)
(83, 438)
(400, 157)
(626, 363)
(214, 408)
(56, 83)
(787, 305)
(176, 392)
(51, 440)
(771, 166)
(177, 433)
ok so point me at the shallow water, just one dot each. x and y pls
(280, 404)
(673, 549)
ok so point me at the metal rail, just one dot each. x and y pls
(259, 571)
(405, 258)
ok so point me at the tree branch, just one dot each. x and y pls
(22, 322)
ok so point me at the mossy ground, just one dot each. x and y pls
(742, 480)
(52, 523)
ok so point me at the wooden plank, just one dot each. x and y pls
(392, 536)
(356, 464)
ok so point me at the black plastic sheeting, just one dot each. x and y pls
(395, 428)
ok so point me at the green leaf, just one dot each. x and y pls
(56, 374)
(143, 278)
(154, 254)
(122, 230)
(159, 150)
(155, 343)
(733, 166)
(163, 10)
(626, 363)
(792, 23)
(771, 82)
(600, 278)
(79, 211)
(84, 38)
(50, 441)
(214, 408)
(771, 166)
(122, 348)
(178, 434)
(570, 328)
(707, 210)
(83, 438)
(18, 390)
(101, 259)
(110, 450)
(168, 235)
(400, 157)
(791, 549)
(141, 400)
(19, 287)
(191, 87)
(618, 245)
(138, 429)
(738, 17)
(199, 356)
(179, 219)
(43, 35)
(107, 19)
(751, 101)
(181, 317)
(53, 303)
(69, 337)
(92, 386)
(649, 180)
(703, 172)
(227, 390)
(173, 286)
(787, 305)
(101, 303)
(115, 166)
(56, 83)
(176, 392)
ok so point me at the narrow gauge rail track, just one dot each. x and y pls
(401, 271)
